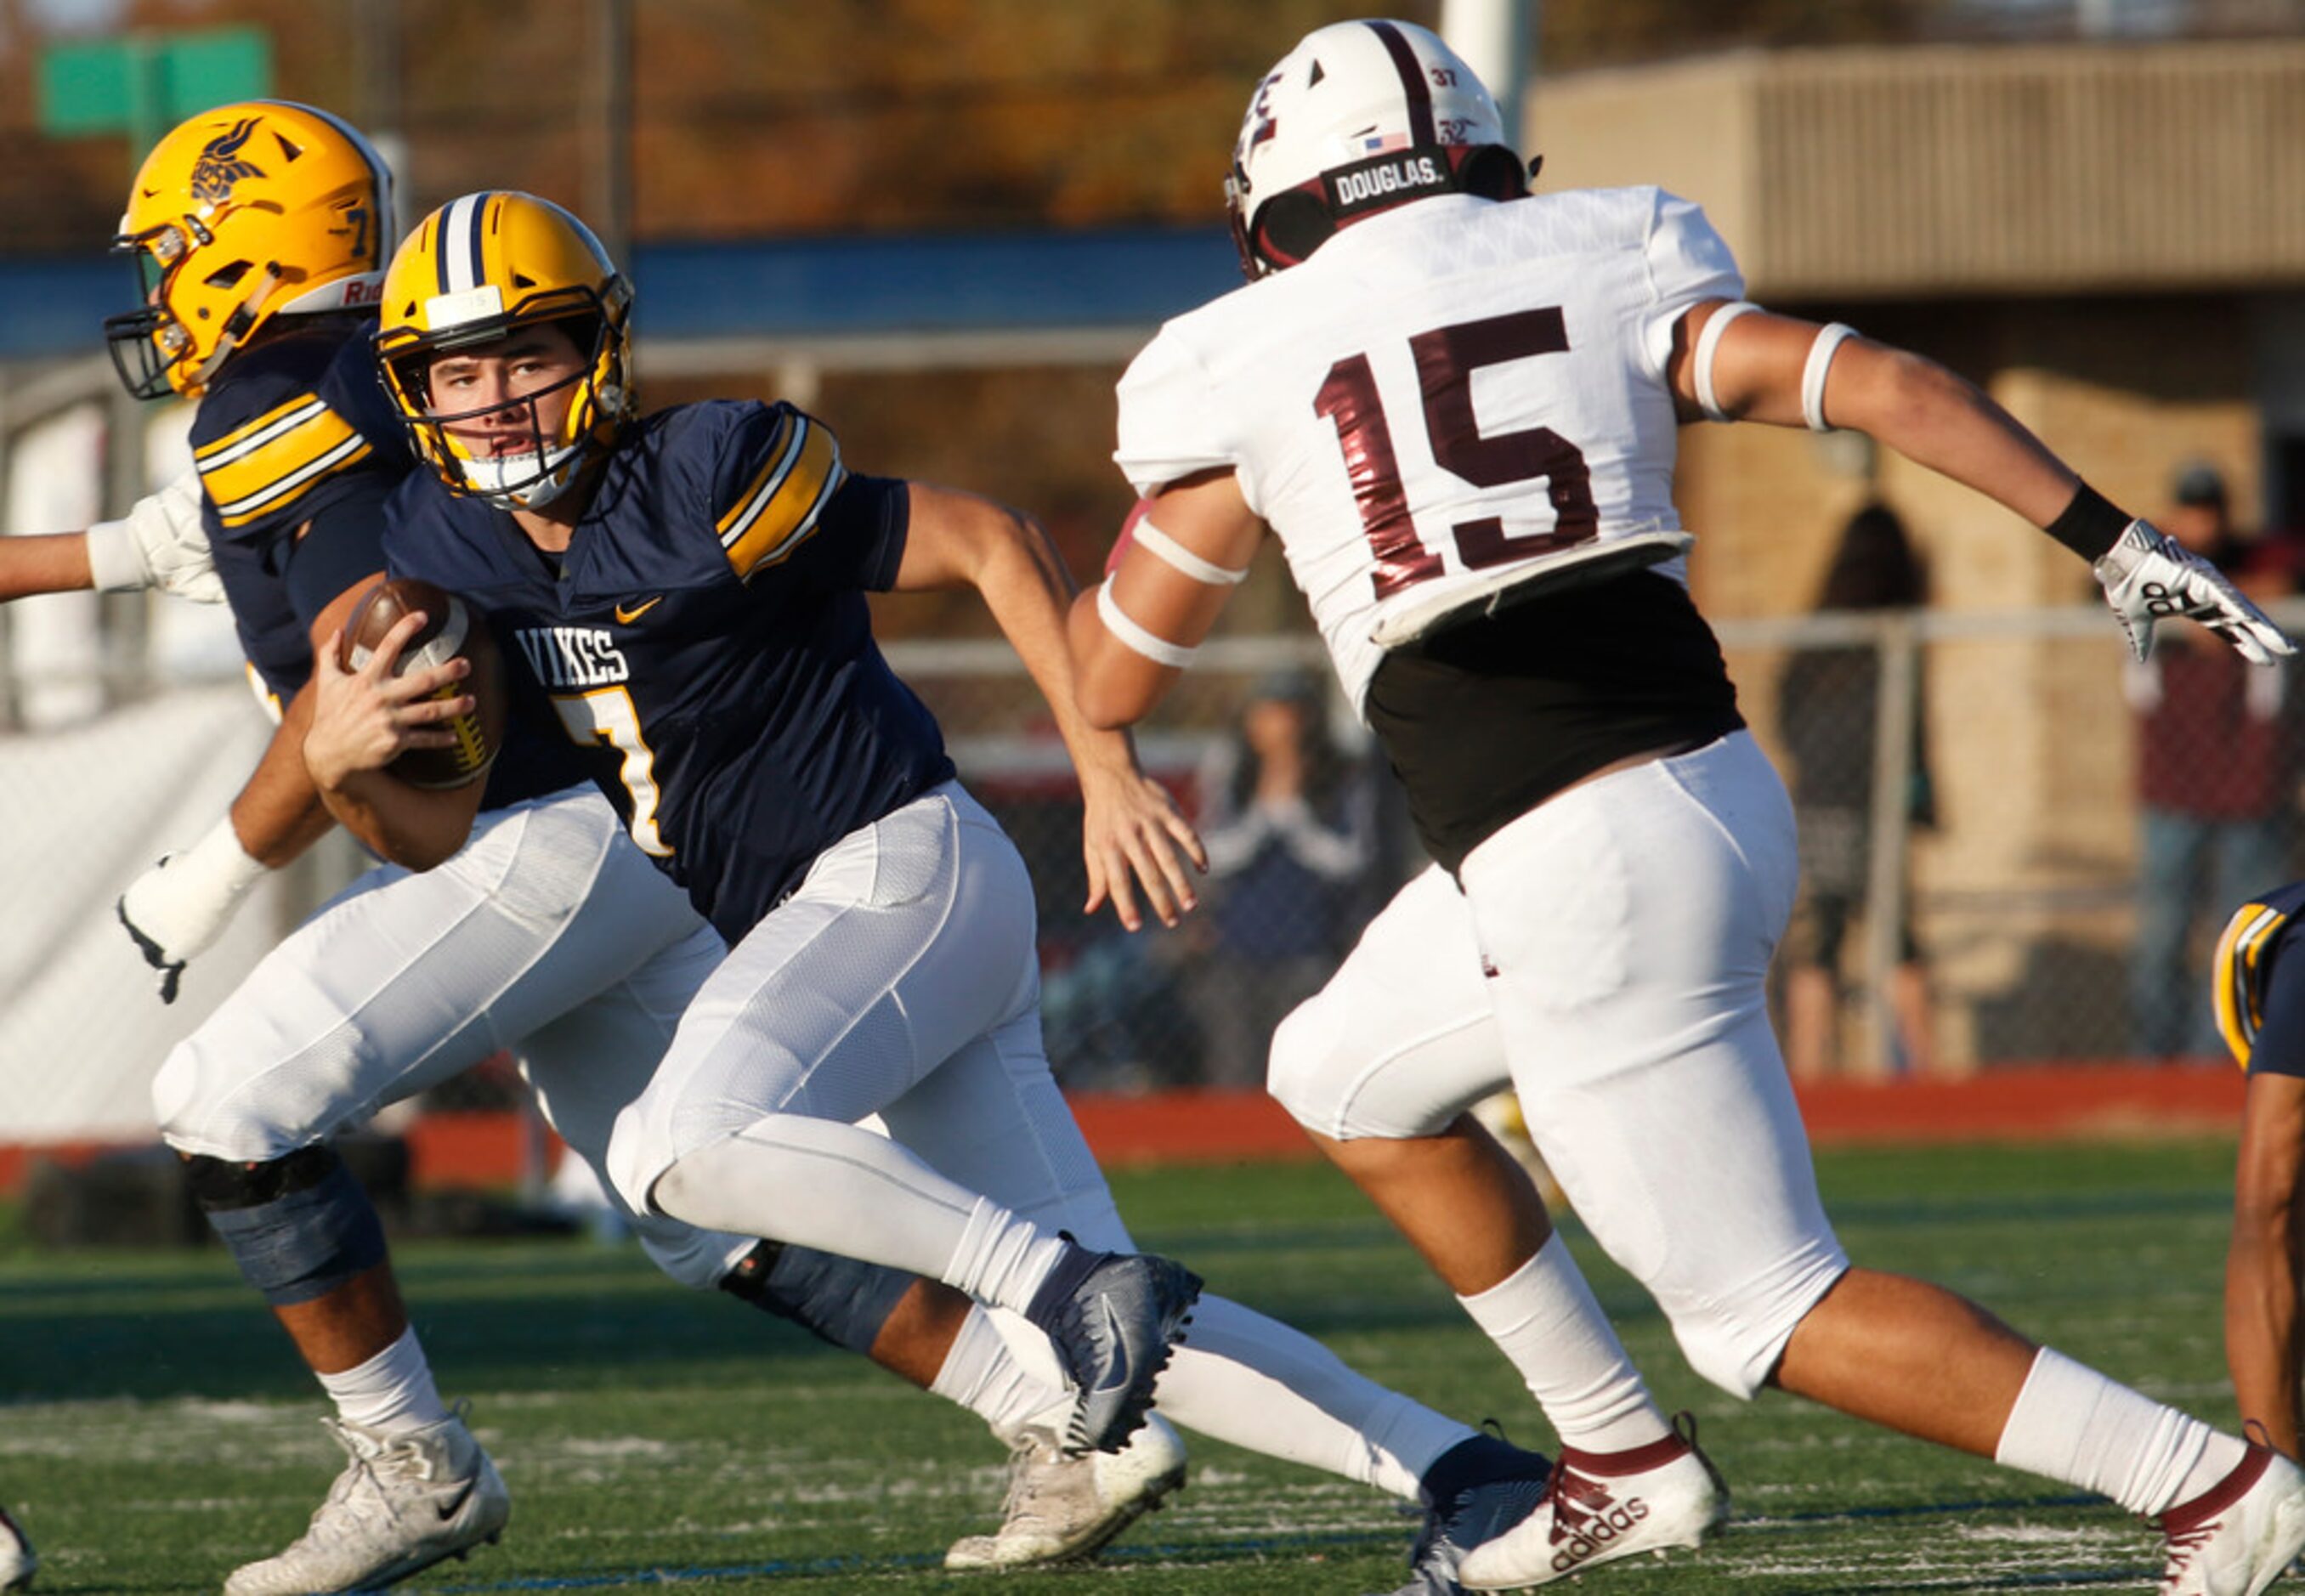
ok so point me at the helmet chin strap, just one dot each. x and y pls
(236, 328)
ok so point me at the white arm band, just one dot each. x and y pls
(159, 544)
(1707, 342)
(1135, 638)
(1175, 554)
(1820, 362)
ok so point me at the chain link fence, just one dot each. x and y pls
(2017, 845)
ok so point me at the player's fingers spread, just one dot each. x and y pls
(386, 659)
(426, 710)
(1172, 869)
(1117, 888)
(1150, 866)
(1190, 841)
(425, 683)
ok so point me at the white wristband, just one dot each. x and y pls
(114, 562)
(1135, 638)
(219, 864)
(1159, 544)
(1707, 342)
(1829, 340)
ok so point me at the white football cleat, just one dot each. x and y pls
(405, 1503)
(17, 1560)
(2240, 1535)
(1063, 1506)
(1601, 1507)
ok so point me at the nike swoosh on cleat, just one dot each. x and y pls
(627, 614)
(454, 1505)
(1119, 1374)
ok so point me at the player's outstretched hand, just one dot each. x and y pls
(1133, 835)
(2148, 577)
(364, 720)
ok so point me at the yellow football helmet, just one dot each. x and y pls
(243, 213)
(472, 273)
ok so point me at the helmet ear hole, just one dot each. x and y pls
(1290, 226)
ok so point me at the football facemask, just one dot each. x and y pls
(476, 272)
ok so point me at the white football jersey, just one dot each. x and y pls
(1447, 399)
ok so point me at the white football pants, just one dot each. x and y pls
(902, 978)
(550, 934)
(1627, 925)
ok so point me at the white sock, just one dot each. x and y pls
(822, 1183)
(1242, 1378)
(392, 1392)
(1002, 1257)
(979, 1375)
(2073, 1424)
(1545, 1320)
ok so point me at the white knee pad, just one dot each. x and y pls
(1735, 1342)
(1401, 1041)
(1344, 1070)
(202, 1106)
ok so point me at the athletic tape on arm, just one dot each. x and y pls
(1135, 638)
(1707, 342)
(1829, 339)
(1153, 541)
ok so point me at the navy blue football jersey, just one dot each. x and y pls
(705, 639)
(2258, 987)
(289, 431)
(296, 433)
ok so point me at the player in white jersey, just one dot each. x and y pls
(1455, 405)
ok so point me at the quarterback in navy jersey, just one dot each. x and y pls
(2258, 992)
(1455, 405)
(685, 598)
(704, 638)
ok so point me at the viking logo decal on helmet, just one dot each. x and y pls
(242, 214)
(474, 273)
(1359, 117)
(218, 169)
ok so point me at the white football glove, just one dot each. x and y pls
(176, 910)
(2148, 576)
(159, 543)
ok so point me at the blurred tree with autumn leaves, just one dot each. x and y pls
(755, 117)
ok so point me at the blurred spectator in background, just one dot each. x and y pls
(1828, 705)
(1289, 824)
(2217, 769)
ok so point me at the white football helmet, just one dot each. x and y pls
(1359, 117)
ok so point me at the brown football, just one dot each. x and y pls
(451, 631)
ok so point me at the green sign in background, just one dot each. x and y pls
(146, 82)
